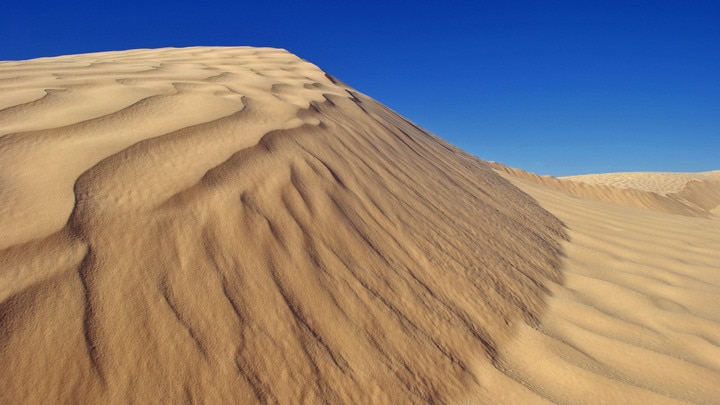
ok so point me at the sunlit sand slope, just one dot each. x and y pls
(232, 225)
(637, 319)
(689, 194)
(656, 182)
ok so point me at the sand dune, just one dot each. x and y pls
(683, 194)
(636, 319)
(233, 225)
(663, 183)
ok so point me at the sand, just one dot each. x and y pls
(636, 319)
(234, 225)
(661, 183)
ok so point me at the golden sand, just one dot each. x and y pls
(233, 225)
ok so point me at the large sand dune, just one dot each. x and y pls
(233, 225)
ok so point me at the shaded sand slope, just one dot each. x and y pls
(637, 319)
(233, 225)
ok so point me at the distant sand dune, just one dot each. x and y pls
(691, 194)
(232, 225)
(664, 183)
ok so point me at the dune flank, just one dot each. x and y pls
(636, 318)
(233, 225)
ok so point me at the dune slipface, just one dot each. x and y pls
(234, 225)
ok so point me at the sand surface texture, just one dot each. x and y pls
(233, 225)
(637, 319)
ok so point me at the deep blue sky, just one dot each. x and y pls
(554, 87)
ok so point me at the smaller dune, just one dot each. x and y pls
(689, 194)
(636, 319)
(654, 182)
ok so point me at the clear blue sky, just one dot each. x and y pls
(554, 87)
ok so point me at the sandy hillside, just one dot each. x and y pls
(637, 319)
(233, 225)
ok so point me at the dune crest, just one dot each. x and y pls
(232, 225)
